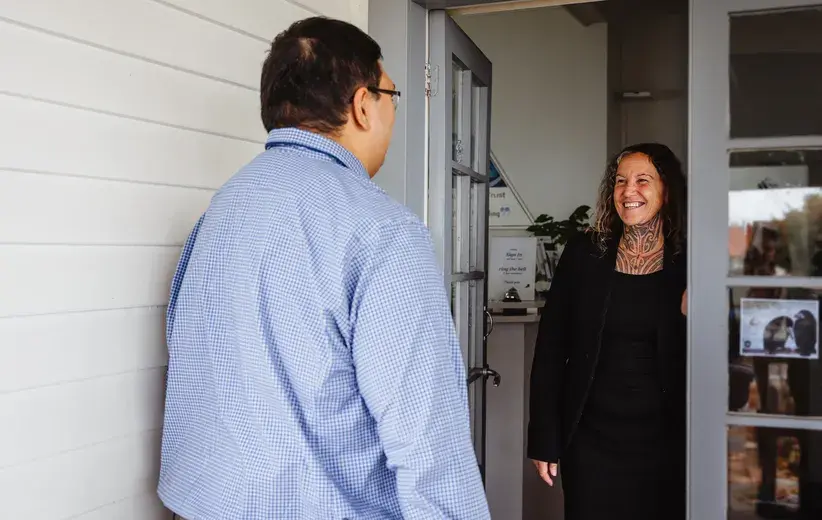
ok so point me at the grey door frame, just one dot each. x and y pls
(402, 28)
(458, 192)
(708, 280)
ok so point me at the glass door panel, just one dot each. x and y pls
(458, 199)
(755, 413)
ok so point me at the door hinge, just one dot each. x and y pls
(431, 80)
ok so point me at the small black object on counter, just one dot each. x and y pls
(512, 296)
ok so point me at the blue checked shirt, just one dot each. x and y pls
(314, 371)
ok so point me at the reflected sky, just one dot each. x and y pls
(748, 206)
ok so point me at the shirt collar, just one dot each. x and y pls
(317, 143)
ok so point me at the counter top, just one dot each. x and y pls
(527, 304)
(524, 318)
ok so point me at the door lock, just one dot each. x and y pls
(484, 373)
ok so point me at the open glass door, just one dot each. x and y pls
(459, 153)
(755, 256)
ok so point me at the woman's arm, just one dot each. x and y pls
(550, 355)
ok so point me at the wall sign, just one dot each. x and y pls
(505, 207)
(512, 262)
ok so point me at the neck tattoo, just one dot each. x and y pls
(641, 248)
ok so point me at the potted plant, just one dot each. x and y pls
(551, 234)
(558, 232)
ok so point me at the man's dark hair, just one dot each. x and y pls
(312, 71)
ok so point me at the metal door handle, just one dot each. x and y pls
(484, 372)
(490, 325)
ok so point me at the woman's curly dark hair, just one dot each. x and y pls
(607, 223)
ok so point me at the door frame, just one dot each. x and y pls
(709, 146)
(458, 183)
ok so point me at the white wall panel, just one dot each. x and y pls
(359, 13)
(57, 348)
(44, 137)
(53, 279)
(118, 119)
(262, 18)
(80, 481)
(143, 507)
(70, 210)
(176, 38)
(73, 73)
(53, 419)
(340, 9)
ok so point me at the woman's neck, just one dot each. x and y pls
(641, 248)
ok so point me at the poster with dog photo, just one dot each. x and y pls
(779, 328)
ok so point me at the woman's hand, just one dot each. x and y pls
(546, 471)
(684, 304)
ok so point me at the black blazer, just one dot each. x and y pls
(569, 339)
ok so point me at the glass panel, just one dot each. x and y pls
(472, 340)
(774, 351)
(475, 360)
(471, 360)
(775, 82)
(461, 223)
(456, 112)
(459, 307)
(475, 110)
(473, 232)
(455, 221)
(774, 473)
(775, 213)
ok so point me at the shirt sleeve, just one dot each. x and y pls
(411, 375)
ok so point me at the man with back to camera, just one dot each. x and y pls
(314, 371)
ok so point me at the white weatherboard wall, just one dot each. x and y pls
(549, 107)
(118, 119)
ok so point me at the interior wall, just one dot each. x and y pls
(648, 52)
(549, 110)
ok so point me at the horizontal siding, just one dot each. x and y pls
(83, 480)
(263, 19)
(54, 279)
(67, 210)
(141, 507)
(68, 72)
(333, 8)
(85, 143)
(119, 120)
(176, 39)
(58, 348)
(50, 420)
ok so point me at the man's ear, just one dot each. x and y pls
(360, 108)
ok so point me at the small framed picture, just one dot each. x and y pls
(779, 328)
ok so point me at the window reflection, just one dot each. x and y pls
(773, 351)
(774, 81)
(774, 473)
(775, 213)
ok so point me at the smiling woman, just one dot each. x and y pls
(608, 380)
(642, 198)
